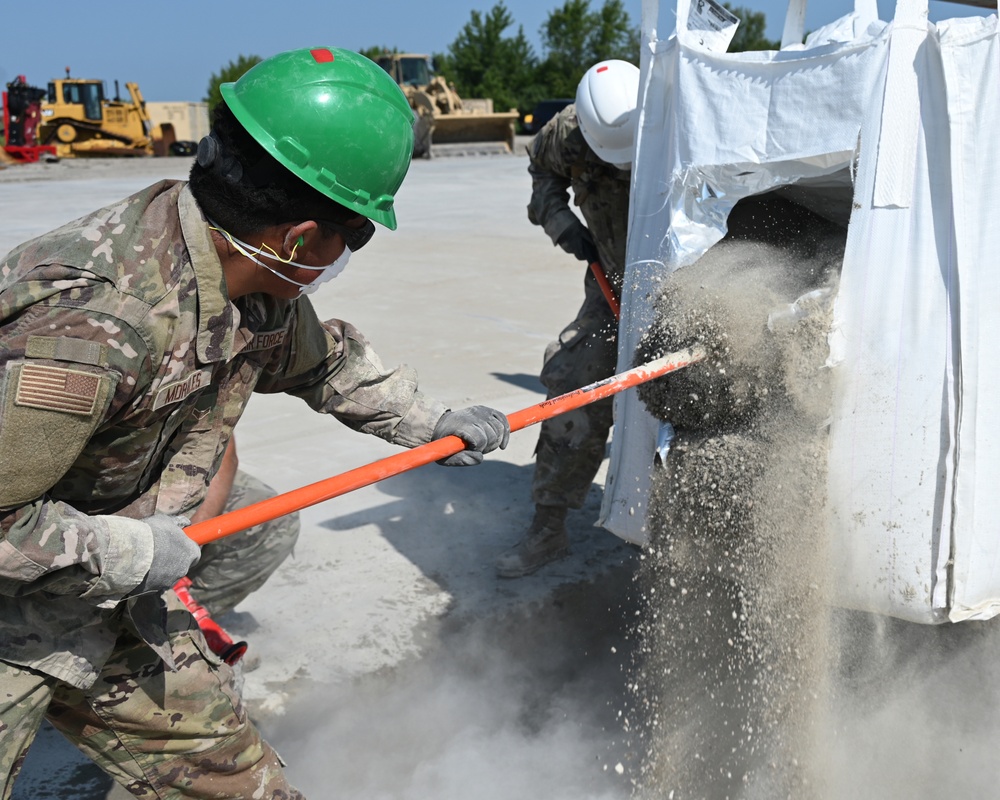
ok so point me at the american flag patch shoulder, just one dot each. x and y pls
(57, 389)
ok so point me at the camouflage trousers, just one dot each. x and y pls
(233, 567)
(161, 733)
(166, 734)
(571, 446)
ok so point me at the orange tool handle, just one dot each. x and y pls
(607, 289)
(242, 518)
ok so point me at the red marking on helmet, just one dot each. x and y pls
(601, 69)
(322, 55)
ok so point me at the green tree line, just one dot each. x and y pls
(492, 57)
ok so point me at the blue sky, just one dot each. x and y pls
(172, 49)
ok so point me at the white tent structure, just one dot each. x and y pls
(899, 117)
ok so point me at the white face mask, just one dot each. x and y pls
(327, 273)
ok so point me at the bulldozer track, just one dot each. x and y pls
(82, 126)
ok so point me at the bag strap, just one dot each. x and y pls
(897, 144)
(795, 19)
(795, 23)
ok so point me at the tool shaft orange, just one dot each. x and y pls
(242, 518)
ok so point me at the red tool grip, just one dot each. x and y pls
(607, 289)
(221, 642)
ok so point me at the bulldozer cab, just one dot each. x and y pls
(407, 69)
(76, 98)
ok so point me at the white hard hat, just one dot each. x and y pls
(606, 101)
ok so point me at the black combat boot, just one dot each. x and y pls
(545, 541)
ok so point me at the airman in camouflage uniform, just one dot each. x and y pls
(130, 342)
(571, 446)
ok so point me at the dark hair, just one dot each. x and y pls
(243, 189)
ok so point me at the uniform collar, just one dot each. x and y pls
(217, 317)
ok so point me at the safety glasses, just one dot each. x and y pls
(354, 238)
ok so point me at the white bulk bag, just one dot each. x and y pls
(913, 508)
(914, 468)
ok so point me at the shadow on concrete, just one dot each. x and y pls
(521, 380)
(56, 770)
(453, 523)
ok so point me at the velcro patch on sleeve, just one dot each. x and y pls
(66, 348)
(47, 416)
(57, 389)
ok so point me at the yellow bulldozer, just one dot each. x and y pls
(78, 119)
(442, 120)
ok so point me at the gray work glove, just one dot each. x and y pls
(482, 428)
(173, 553)
(577, 241)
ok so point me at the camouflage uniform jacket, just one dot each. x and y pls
(560, 159)
(123, 369)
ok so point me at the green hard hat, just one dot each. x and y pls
(333, 118)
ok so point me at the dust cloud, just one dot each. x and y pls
(520, 706)
(747, 682)
(914, 710)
